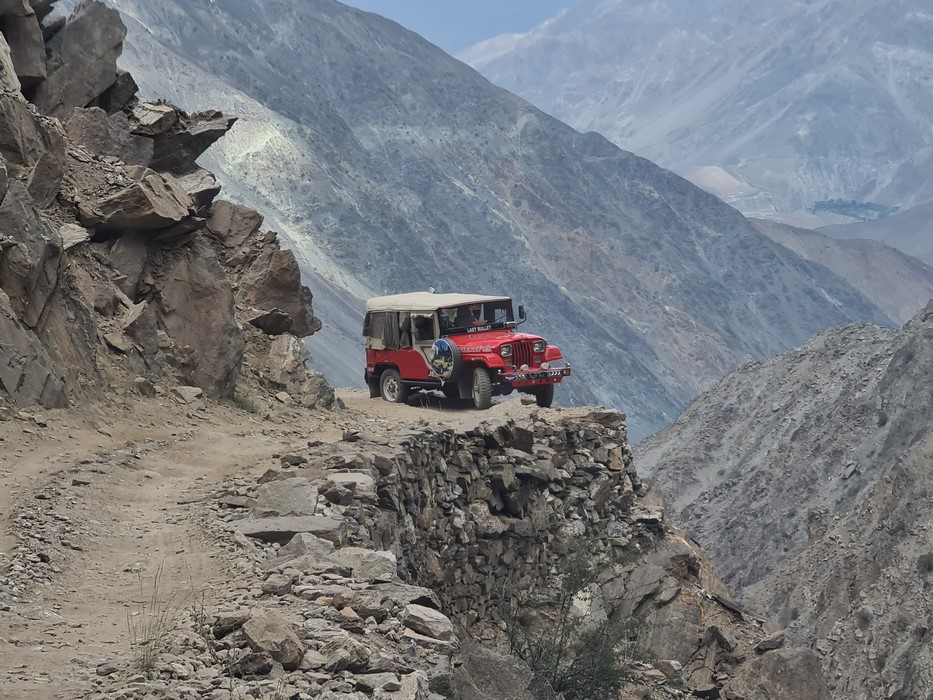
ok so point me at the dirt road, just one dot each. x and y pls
(121, 486)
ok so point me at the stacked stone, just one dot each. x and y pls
(494, 509)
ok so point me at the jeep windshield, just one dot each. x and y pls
(473, 318)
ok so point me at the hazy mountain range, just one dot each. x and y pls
(772, 106)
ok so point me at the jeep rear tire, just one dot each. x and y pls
(544, 396)
(451, 391)
(482, 389)
(392, 388)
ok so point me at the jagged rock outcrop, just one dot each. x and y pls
(24, 36)
(155, 201)
(26, 371)
(82, 59)
(177, 149)
(805, 478)
(32, 148)
(108, 135)
(105, 262)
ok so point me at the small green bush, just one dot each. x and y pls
(925, 563)
(863, 619)
(583, 660)
(245, 403)
(882, 419)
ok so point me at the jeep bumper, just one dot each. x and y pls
(536, 376)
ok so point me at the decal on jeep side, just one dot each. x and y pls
(442, 359)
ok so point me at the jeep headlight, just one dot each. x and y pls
(506, 351)
(539, 346)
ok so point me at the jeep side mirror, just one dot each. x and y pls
(521, 313)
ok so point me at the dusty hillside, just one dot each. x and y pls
(806, 477)
(897, 283)
(391, 166)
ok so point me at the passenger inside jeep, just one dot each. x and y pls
(424, 328)
(469, 315)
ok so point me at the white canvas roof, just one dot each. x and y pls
(426, 301)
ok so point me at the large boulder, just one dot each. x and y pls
(24, 35)
(108, 135)
(30, 259)
(82, 59)
(785, 674)
(295, 496)
(155, 201)
(26, 371)
(486, 674)
(149, 119)
(33, 150)
(196, 309)
(231, 225)
(268, 632)
(284, 366)
(274, 282)
(427, 621)
(177, 150)
(9, 82)
(119, 95)
(202, 187)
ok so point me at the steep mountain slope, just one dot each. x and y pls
(807, 478)
(773, 105)
(897, 283)
(910, 231)
(391, 166)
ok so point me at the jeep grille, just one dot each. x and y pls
(522, 353)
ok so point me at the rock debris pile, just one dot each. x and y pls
(116, 261)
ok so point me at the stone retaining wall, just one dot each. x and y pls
(471, 513)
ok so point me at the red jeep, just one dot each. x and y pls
(462, 344)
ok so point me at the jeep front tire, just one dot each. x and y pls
(544, 396)
(482, 389)
(392, 388)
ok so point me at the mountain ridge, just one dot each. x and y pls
(801, 102)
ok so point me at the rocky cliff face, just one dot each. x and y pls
(115, 260)
(390, 166)
(772, 106)
(807, 478)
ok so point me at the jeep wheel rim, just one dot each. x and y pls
(476, 395)
(391, 389)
